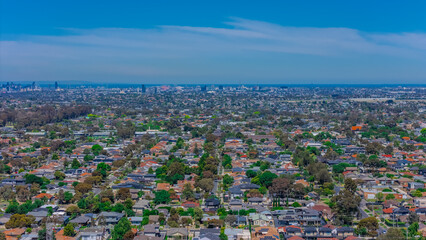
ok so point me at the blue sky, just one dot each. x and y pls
(255, 42)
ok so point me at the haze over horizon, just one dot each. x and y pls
(367, 42)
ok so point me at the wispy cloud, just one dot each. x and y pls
(241, 49)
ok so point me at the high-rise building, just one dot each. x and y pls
(33, 86)
(56, 85)
(143, 88)
(204, 88)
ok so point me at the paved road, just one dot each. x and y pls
(362, 207)
(215, 186)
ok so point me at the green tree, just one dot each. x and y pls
(75, 164)
(59, 175)
(206, 184)
(227, 161)
(176, 172)
(83, 188)
(19, 221)
(162, 196)
(223, 236)
(251, 174)
(68, 197)
(188, 191)
(123, 194)
(121, 228)
(69, 230)
(103, 169)
(379, 196)
(228, 180)
(96, 149)
(198, 214)
(390, 197)
(371, 224)
(42, 234)
(413, 229)
(31, 178)
(346, 203)
(266, 178)
(339, 168)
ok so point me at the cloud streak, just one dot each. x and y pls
(243, 49)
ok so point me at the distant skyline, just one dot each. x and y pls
(217, 42)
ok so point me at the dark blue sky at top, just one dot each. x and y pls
(44, 17)
(23, 22)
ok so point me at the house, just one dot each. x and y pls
(109, 217)
(190, 204)
(299, 216)
(154, 219)
(310, 232)
(265, 233)
(207, 218)
(163, 186)
(136, 221)
(261, 219)
(14, 233)
(81, 221)
(39, 214)
(177, 233)
(309, 217)
(152, 230)
(415, 185)
(255, 201)
(235, 204)
(293, 231)
(402, 211)
(241, 220)
(295, 238)
(343, 232)
(325, 210)
(248, 186)
(325, 232)
(29, 236)
(47, 196)
(209, 234)
(140, 206)
(237, 234)
(420, 202)
(141, 236)
(92, 233)
(211, 205)
(235, 192)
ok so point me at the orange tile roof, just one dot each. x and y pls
(60, 236)
(295, 238)
(14, 232)
(388, 210)
(163, 186)
(42, 195)
(356, 128)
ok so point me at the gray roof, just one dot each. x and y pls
(81, 220)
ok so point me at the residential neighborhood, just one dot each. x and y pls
(212, 163)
